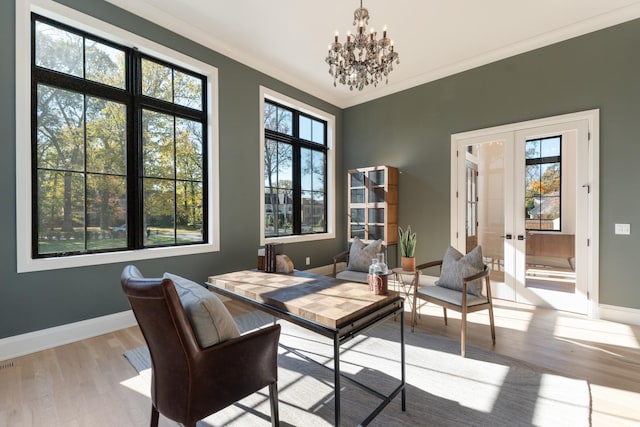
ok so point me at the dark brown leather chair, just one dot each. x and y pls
(190, 383)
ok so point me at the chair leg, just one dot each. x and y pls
(154, 416)
(273, 398)
(414, 318)
(493, 327)
(463, 332)
(444, 310)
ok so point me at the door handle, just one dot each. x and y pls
(520, 237)
(507, 236)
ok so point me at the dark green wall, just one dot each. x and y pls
(33, 301)
(412, 130)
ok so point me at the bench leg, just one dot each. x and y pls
(444, 310)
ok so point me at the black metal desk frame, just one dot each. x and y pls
(340, 335)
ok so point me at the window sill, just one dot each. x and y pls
(26, 265)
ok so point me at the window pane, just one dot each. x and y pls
(188, 90)
(550, 147)
(532, 149)
(60, 127)
(105, 64)
(188, 150)
(318, 132)
(305, 128)
(306, 161)
(106, 212)
(307, 212)
(60, 212)
(189, 212)
(278, 164)
(285, 121)
(532, 180)
(285, 212)
(156, 81)
(159, 218)
(106, 136)
(270, 211)
(58, 50)
(157, 144)
(313, 212)
(278, 119)
(319, 162)
(550, 179)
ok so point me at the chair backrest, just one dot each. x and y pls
(169, 336)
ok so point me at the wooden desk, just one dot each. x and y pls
(331, 307)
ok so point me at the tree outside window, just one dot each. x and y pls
(295, 168)
(116, 165)
(543, 200)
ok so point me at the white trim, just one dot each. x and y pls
(331, 166)
(23, 136)
(593, 119)
(614, 313)
(44, 339)
(345, 98)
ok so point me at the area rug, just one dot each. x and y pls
(443, 389)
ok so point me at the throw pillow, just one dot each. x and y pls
(456, 267)
(211, 321)
(361, 254)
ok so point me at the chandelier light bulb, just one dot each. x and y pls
(362, 60)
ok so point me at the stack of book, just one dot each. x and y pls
(270, 252)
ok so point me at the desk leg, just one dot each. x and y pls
(402, 361)
(336, 378)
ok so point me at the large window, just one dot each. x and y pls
(543, 200)
(296, 164)
(119, 147)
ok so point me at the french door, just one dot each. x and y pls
(530, 205)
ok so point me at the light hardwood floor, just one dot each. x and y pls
(89, 383)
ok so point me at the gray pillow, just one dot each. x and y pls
(211, 321)
(361, 254)
(456, 267)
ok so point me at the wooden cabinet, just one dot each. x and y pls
(373, 204)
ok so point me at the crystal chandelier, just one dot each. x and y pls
(362, 60)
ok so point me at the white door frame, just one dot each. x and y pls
(593, 119)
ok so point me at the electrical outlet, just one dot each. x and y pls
(623, 228)
(308, 260)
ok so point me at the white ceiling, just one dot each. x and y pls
(288, 39)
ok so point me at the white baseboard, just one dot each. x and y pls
(614, 313)
(31, 342)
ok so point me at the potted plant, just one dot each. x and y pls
(407, 248)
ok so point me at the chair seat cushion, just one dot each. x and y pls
(449, 295)
(211, 321)
(353, 276)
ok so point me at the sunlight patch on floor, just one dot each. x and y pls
(139, 383)
(584, 330)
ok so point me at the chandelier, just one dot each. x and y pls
(362, 60)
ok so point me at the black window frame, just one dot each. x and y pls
(542, 161)
(297, 145)
(131, 96)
